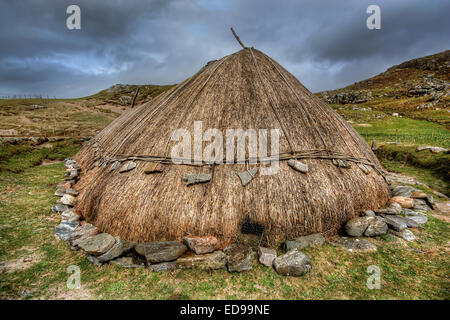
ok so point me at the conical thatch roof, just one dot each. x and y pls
(244, 90)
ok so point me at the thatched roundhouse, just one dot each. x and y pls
(246, 89)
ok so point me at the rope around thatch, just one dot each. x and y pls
(284, 156)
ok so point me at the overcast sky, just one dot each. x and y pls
(325, 44)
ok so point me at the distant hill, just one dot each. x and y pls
(418, 88)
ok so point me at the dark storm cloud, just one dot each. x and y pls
(324, 43)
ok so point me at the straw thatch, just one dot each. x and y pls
(244, 90)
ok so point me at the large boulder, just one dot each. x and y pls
(201, 245)
(98, 244)
(162, 251)
(209, 261)
(312, 240)
(294, 263)
(366, 226)
(239, 258)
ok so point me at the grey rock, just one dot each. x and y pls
(125, 100)
(119, 248)
(404, 234)
(128, 262)
(294, 263)
(98, 244)
(59, 207)
(72, 192)
(60, 192)
(354, 244)
(191, 179)
(396, 222)
(201, 245)
(266, 256)
(94, 260)
(430, 202)
(163, 266)
(82, 232)
(404, 191)
(69, 216)
(409, 212)
(163, 251)
(395, 207)
(209, 261)
(298, 166)
(368, 213)
(420, 219)
(420, 205)
(130, 165)
(376, 228)
(355, 227)
(247, 176)
(300, 243)
(239, 258)
(114, 166)
(64, 230)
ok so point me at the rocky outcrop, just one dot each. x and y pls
(345, 97)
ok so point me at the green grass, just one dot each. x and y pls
(27, 225)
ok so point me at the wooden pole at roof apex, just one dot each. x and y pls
(237, 38)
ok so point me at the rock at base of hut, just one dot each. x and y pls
(130, 165)
(420, 219)
(128, 262)
(405, 234)
(403, 201)
(163, 251)
(65, 229)
(98, 244)
(119, 248)
(354, 244)
(377, 227)
(239, 258)
(69, 216)
(420, 205)
(60, 192)
(404, 191)
(298, 166)
(163, 266)
(294, 263)
(368, 213)
(399, 223)
(201, 245)
(68, 200)
(312, 240)
(416, 194)
(82, 232)
(72, 192)
(266, 256)
(58, 208)
(209, 261)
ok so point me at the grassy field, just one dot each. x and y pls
(38, 261)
